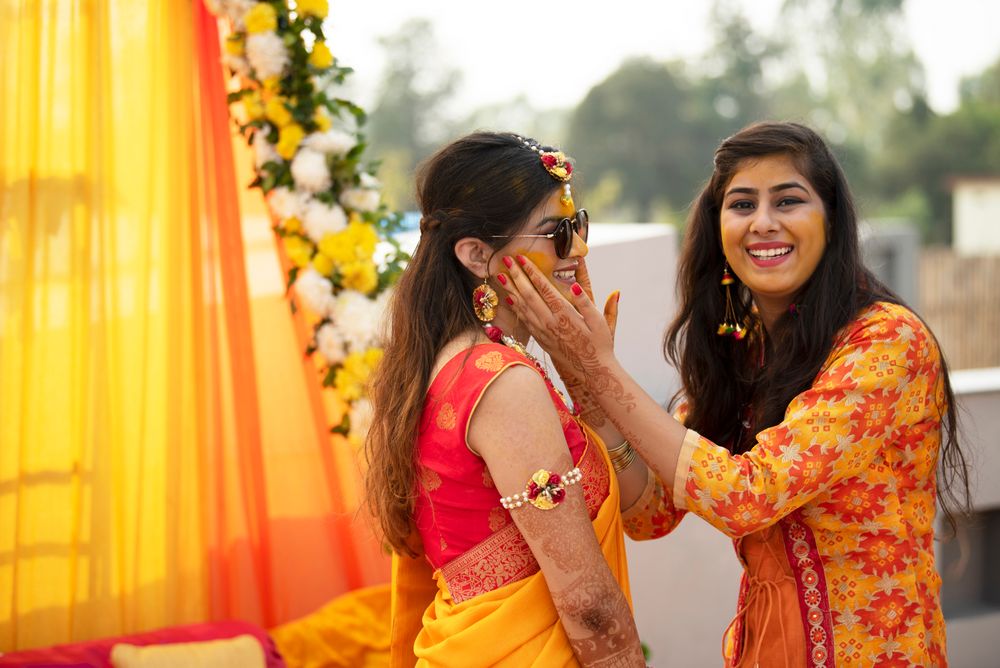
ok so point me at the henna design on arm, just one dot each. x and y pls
(602, 634)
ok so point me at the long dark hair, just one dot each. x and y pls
(481, 185)
(721, 377)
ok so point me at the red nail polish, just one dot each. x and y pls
(510, 300)
(577, 290)
(502, 279)
(507, 261)
(522, 260)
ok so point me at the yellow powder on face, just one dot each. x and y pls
(544, 261)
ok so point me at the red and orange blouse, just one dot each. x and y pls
(466, 533)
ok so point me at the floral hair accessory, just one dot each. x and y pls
(545, 490)
(554, 162)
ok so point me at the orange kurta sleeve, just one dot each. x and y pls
(882, 379)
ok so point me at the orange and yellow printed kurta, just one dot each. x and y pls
(848, 477)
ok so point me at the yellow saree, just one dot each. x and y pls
(514, 625)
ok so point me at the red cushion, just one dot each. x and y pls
(97, 653)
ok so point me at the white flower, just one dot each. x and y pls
(264, 152)
(310, 171)
(236, 10)
(267, 54)
(361, 418)
(286, 203)
(315, 291)
(369, 181)
(357, 318)
(320, 219)
(330, 344)
(335, 142)
(360, 199)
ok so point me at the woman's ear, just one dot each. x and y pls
(474, 254)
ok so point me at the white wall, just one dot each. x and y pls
(976, 216)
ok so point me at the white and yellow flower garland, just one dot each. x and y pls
(326, 206)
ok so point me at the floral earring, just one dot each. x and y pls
(484, 301)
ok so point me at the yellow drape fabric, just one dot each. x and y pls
(150, 438)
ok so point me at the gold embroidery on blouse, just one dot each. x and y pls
(446, 417)
(491, 361)
(429, 479)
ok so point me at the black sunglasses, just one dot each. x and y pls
(562, 236)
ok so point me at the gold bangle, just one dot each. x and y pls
(618, 449)
(622, 462)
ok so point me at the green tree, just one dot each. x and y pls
(646, 135)
(928, 151)
(635, 128)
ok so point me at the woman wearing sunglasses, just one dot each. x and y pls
(499, 501)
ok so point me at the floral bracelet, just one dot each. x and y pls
(545, 490)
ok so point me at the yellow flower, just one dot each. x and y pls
(252, 106)
(322, 264)
(234, 45)
(354, 217)
(337, 246)
(321, 120)
(354, 243)
(292, 224)
(317, 8)
(361, 276)
(321, 58)
(261, 18)
(271, 84)
(277, 112)
(352, 376)
(373, 356)
(299, 250)
(365, 238)
(288, 141)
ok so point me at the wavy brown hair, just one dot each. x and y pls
(481, 185)
(720, 376)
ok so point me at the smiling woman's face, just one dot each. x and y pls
(561, 272)
(773, 228)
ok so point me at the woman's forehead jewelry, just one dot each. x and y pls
(554, 162)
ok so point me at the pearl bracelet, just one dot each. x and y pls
(544, 490)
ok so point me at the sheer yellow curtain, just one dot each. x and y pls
(164, 447)
(131, 474)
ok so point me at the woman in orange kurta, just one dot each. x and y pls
(815, 410)
(498, 501)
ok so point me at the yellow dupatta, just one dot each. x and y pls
(515, 625)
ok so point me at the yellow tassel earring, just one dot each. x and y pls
(729, 325)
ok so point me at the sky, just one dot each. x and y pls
(554, 52)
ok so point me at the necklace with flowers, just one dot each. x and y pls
(497, 335)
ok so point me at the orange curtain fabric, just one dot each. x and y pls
(163, 451)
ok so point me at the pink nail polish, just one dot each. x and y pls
(507, 261)
(510, 300)
(502, 279)
(522, 260)
(577, 290)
